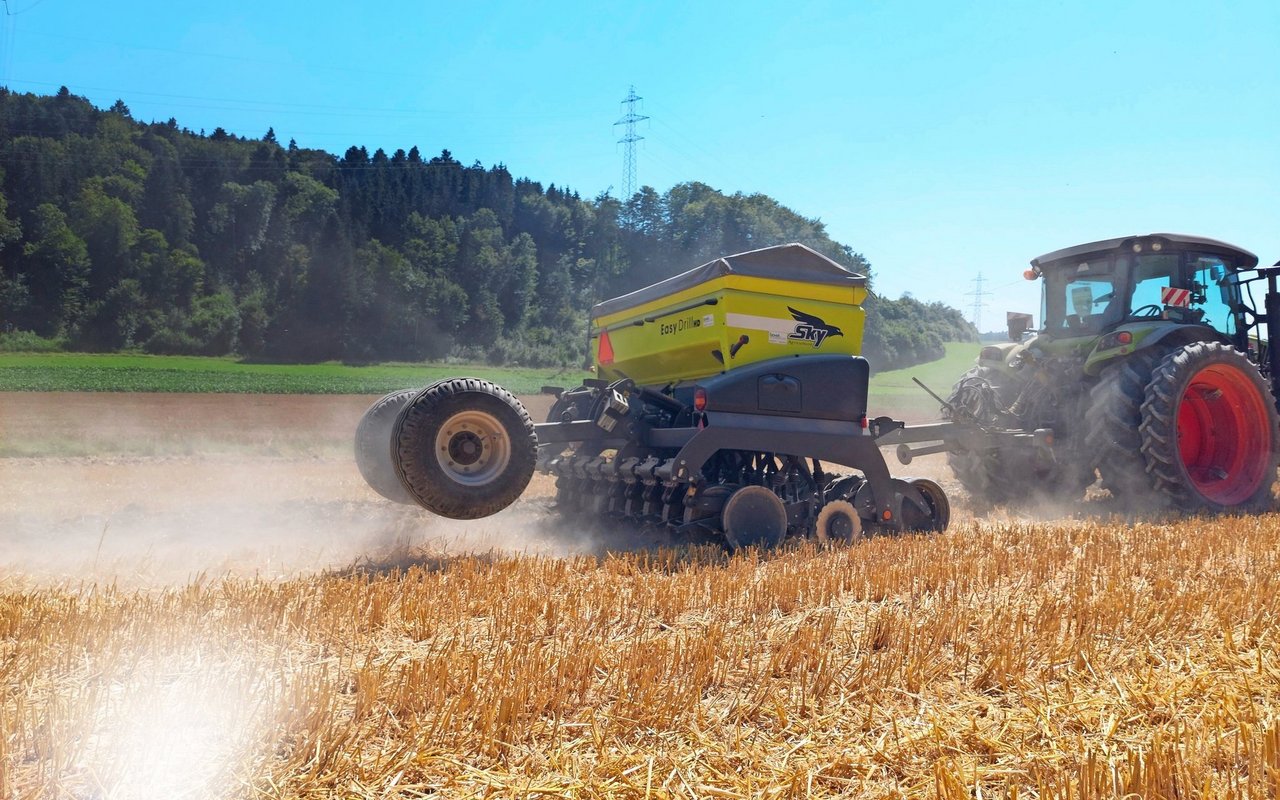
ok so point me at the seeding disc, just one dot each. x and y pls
(754, 516)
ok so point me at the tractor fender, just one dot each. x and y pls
(1146, 336)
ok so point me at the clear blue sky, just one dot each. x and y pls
(939, 139)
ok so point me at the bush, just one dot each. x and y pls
(537, 347)
(28, 342)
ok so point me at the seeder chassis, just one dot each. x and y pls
(736, 458)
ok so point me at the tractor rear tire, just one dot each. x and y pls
(1112, 440)
(1210, 431)
(373, 446)
(464, 448)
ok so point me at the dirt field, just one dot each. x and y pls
(146, 488)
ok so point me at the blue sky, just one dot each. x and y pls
(939, 139)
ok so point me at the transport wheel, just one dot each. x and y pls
(838, 521)
(936, 514)
(1209, 430)
(464, 448)
(1112, 438)
(754, 516)
(373, 446)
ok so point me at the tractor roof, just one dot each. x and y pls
(1245, 259)
(788, 262)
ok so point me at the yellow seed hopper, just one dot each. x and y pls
(779, 301)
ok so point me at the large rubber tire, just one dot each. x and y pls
(464, 448)
(1013, 476)
(1209, 430)
(1112, 439)
(373, 446)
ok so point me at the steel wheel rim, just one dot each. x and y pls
(472, 448)
(1220, 443)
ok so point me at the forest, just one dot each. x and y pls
(120, 235)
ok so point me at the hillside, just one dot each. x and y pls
(122, 235)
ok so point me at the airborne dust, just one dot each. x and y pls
(163, 489)
(146, 489)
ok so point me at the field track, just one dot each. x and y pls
(200, 598)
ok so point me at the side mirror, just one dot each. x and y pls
(1018, 324)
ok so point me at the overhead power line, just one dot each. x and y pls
(978, 303)
(628, 141)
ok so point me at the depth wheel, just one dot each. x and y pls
(838, 521)
(1209, 430)
(464, 448)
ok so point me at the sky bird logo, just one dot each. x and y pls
(811, 329)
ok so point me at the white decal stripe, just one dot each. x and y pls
(751, 322)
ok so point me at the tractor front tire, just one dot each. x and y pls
(373, 445)
(464, 448)
(974, 396)
(1210, 431)
(1008, 476)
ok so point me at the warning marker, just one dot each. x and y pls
(604, 354)
(1178, 298)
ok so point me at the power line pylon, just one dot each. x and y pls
(978, 304)
(628, 141)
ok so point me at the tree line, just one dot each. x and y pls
(121, 235)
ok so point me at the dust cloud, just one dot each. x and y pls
(167, 489)
(147, 489)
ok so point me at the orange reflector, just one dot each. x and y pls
(1030, 274)
(699, 399)
(604, 354)
(888, 515)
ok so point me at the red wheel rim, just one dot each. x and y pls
(1224, 439)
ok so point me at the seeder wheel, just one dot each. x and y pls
(464, 448)
(373, 450)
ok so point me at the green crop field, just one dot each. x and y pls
(78, 372)
(891, 392)
(895, 394)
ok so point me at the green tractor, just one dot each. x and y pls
(1150, 371)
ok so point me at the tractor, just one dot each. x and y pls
(1150, 369)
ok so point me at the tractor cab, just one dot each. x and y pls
(1094, 289)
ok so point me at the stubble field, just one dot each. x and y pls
(200, 598)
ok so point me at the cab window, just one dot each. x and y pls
(1213, 291)
(1080, 298)
(1152, 274)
